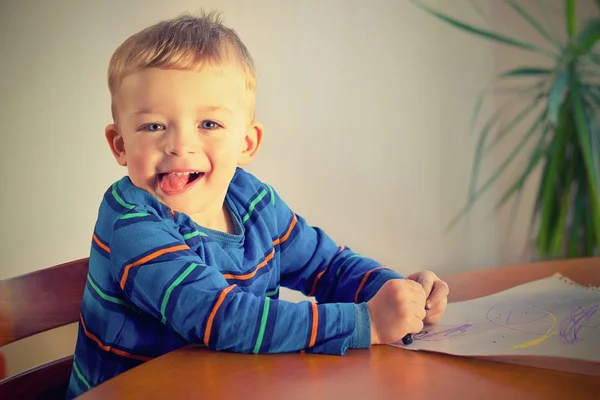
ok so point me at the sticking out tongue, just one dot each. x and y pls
(172, 182)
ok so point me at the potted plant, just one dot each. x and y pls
(564, 104)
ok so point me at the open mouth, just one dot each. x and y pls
(178, 182)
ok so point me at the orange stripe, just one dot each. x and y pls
(315, 324)
(102, 245)
(314, 286)
(282, 239)
(287, 234)
(364, 281)
(341, 249)
(211, 317)
(109, 348)
(149, 257)
(251, 274)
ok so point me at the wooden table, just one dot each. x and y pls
(382, 372)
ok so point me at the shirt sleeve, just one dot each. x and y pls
(162, 276)
(312, 263)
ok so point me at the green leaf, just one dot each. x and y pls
(582, 130)
(535, 24)
(588, 231)
(478, 104)
(574, 237)
(485, 131)
(537, 208)
(517, 72)
(525, 71)
(549, 187)
(595, 147)
(595, 136)
(535, 157)
(515, 209)
(556, 95)
(543, 11)
(588, 36)
(505, 164)
(483, 32)
(515, 122)
(586, 138)
(595, 58)
(559, 229)
(570, 15)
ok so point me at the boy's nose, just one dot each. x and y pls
(181, 141)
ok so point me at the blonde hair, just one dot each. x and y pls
(186, 42)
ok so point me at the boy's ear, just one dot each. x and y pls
(251, 143)
(115, 142)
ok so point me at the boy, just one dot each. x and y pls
(190, 248)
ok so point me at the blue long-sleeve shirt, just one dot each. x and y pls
(158, 281)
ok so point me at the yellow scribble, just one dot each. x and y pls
(542, 338)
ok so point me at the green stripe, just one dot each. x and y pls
(193, 234)
(339, 270)
(253, 204)
(273, 292)
(263, 324)
(105, 296)
(272, 194)
(80, 375)
(134, 215)
(118, 198)
(165, 301)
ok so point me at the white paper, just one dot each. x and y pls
(549, 317)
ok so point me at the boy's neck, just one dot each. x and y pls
(220, 220)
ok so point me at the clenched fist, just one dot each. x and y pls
(397, 309)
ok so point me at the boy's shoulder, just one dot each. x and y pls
(246, 185)
(250, 195)
(123, 199)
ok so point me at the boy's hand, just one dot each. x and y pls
(397, 309)
(436, 291)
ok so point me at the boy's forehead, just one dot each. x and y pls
(210, 87)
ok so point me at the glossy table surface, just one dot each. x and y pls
(380, 372)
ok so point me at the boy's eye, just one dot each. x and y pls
(210, 125)
(152, 127)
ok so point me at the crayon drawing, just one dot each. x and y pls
(550, 317)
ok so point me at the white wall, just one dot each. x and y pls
(366, 106)
(361, 105)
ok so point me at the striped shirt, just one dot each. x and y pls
(158, 281)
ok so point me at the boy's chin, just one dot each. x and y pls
(181, 205)
(178, 206)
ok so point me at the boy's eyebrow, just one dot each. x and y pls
(204, 108)
(143, 111)
(216, 108)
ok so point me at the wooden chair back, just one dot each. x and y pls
(34, 303)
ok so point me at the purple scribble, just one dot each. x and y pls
(429, 336)
(572, 324)
(518, 317)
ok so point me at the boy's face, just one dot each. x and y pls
(182, 134)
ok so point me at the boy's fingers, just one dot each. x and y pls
(415, 287)
(438, 308)
(426, 280)
(436, 312)
(439, 292)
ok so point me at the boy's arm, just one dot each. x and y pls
(314, 264)
(162, 276)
